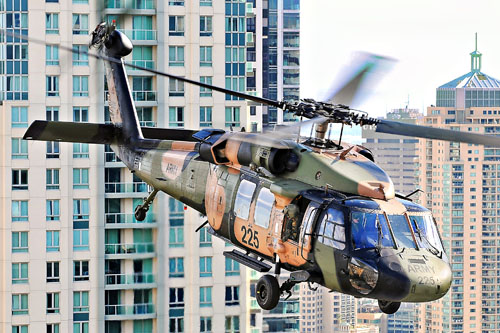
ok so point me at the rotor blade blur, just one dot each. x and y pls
(356, 81)
(277, 138)
(394, 127)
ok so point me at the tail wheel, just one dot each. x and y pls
(268, 292)
(140, 213)
(388, 307)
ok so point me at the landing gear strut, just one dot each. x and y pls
(388, 307)
(142, 210)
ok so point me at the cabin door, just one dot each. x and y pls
(306, 229)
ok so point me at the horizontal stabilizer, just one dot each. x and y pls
(71, 132)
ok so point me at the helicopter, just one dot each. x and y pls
(319, 208)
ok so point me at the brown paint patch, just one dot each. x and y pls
(376, 190)
(172, 163)
(215, 200)
(232, 147)
(391, 207)
(183, 145)
(281, 201)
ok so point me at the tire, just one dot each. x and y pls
(140, 213)
(388, 307)
(267, 292)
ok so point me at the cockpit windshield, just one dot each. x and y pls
(426, 233)
(369, 230)
(401, 231)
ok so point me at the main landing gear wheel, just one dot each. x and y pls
(388, 307)
(268, 292)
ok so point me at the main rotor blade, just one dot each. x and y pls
(394, 127)
(249, 97)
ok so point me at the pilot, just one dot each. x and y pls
(356, 230)
(292, 218)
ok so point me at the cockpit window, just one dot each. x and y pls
(369, 230)
(332, 230)
(426, 233)
(263, 208)
(402, 231)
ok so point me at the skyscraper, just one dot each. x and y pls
(460, 183)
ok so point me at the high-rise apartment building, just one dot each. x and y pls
(396, 154)
(75, 257)
(460, 182)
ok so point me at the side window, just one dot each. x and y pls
(263, 208)
(332, 231)
(243, 199)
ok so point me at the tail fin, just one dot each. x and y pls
(114, 44)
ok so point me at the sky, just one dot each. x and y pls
(431, 41)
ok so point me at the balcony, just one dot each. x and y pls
(141, 35)
(144, 95)
(129, 281)
(130, 189)
(129, 250)
(149, 64)
(130, 7)
(134, 311)
(125, 221)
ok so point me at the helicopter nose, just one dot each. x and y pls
(429, 281)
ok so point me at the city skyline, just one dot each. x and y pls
(431, 42)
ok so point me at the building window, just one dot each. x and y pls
(205, 3)
(52, 149)
(52, 55)
(80, 301)
(52, 113)
(145, 115)
(205, 297)
(19, 116)
(80, 24)
(232, 116)
(205, 25)
(80, 114)
(53, 328)
(205, 238)
(205, 266)
(52, 210)
(51, 23)
(176, 25)
(205, 324)
(205, 92)
(80, 150)
(52, 241)
(143, 56)
(19, 241)
(80, 178)
(176, 3)
(176, 267)
(19, 304)
(52, 302)
(176, 221)
(52, 271)
(232, 295)
(19, 179)
(52, 85)
(176, 299)
(80, 270)
(80, 210)
(205, 56)
(176, 325)
(19, 148)
(80, 239)
(291, 21)
(176, 56)
(176, 116)
(232, 267)
(19, 272)
(81, 327)
(52, 179)
(142, 89)
(19, 210)
(80, 56)
(80, 86)
(205, 116)
(175, 87)
(20, 329)
(232, 324)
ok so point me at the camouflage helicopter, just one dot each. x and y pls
(321, 209)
